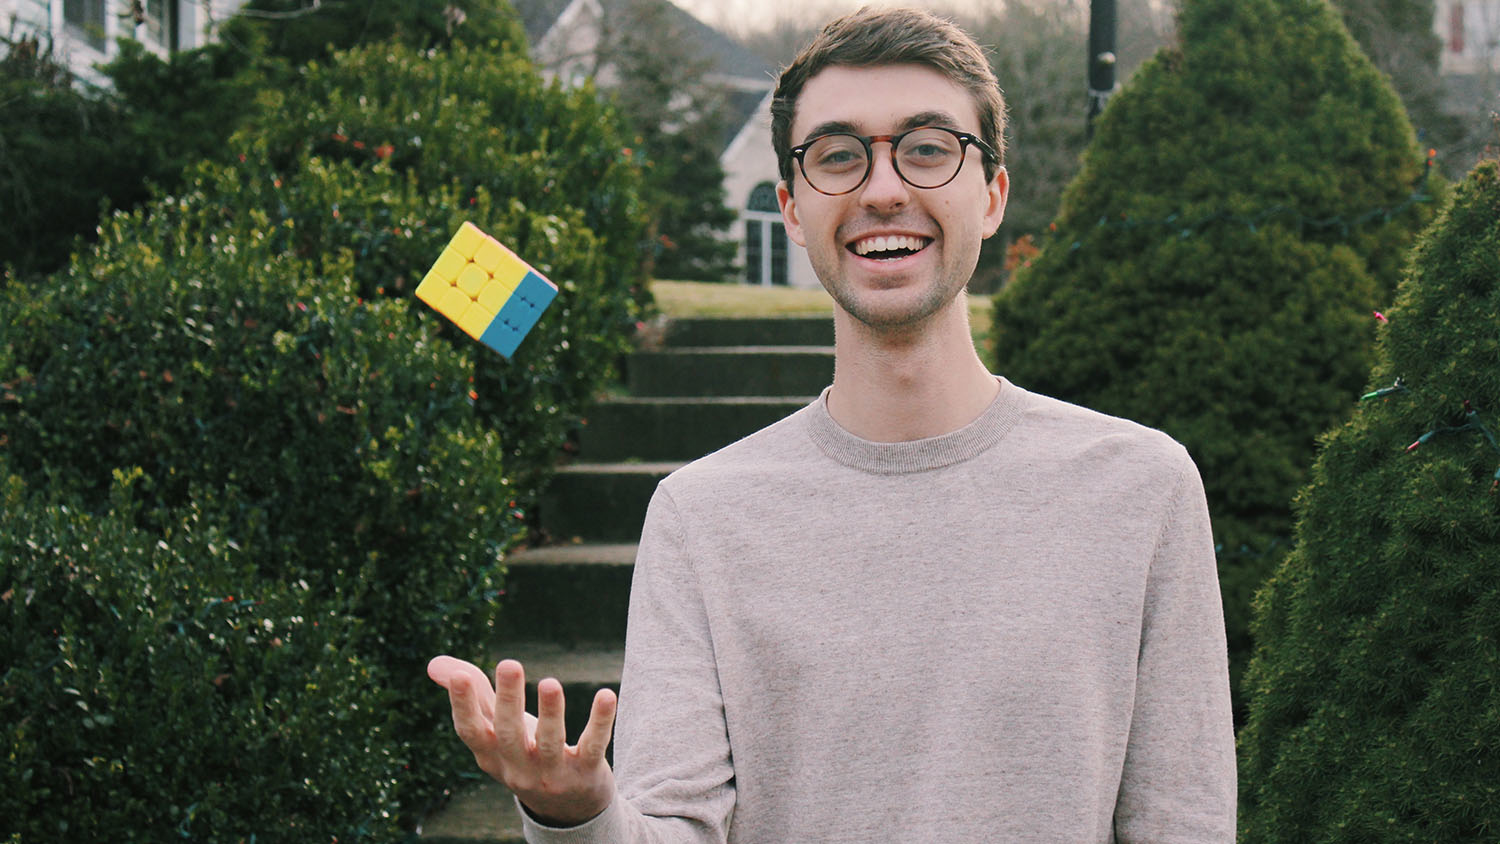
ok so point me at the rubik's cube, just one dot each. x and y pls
(494, 296)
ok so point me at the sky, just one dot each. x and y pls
(749, 15)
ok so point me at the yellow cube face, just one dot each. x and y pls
(467, 240)
(450, 264)
(475, 319)
(454, 304)
(490, 254)
(472, 280)
(433, 288)
(509, 274)
(494, 295)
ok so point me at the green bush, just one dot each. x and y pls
(297, 33)
(333, 440)
(157, 688)
(1241, 211)
(248, 344)
(1375, 689)
(334, 435)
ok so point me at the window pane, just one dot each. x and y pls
(88, 17)
(763, 198)
(157, 21)
(778, 253)
(753, 249)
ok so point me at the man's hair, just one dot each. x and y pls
(877, 37)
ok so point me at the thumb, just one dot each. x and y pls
(448, 672)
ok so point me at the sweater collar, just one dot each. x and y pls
(916, 455)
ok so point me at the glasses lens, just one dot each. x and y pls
(928, 158)
(835, 163)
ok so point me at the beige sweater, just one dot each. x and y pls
(1009, 633)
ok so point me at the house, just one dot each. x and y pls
(85, 33)
(566, 35)
(1470, 30)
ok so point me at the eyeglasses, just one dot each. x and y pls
(926, 157)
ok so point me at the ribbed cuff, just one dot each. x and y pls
(607, 827)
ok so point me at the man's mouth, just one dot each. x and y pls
(889, 247)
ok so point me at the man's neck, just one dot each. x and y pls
(897, 385)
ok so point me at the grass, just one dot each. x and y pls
(702, 299)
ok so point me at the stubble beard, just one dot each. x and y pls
(939, 293)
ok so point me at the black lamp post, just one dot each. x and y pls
(1101, 57)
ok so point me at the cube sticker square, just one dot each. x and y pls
(485, 289)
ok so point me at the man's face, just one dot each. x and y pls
(946, 224)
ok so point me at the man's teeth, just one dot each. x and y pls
(888, 244)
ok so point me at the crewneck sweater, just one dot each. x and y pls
(1008, 633)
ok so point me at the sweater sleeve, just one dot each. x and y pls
(1178, 783)
(674, 775)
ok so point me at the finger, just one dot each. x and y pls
(596, 734)
(551, 733)
(468, 694)
(447, 671)
(509, 712)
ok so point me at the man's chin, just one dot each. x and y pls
(890, 310)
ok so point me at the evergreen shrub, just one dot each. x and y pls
(1240, 212)
(156, 688)
(1375, 689)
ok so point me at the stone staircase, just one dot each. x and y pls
(711, 382)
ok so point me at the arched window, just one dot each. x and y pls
(765, 238)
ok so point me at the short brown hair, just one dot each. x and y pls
(875, 37)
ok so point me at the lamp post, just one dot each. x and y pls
(1101, 57)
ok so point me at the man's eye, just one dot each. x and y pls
(835, 159)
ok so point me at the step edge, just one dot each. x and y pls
(582, 553)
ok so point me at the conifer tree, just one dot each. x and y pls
(1241, 211)
(1375, 689)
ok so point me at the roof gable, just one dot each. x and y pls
(730, 60)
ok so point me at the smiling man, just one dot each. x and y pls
(931, 606)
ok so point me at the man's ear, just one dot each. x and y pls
(789, 216)
(996, 195)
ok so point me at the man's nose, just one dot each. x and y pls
(884, 187)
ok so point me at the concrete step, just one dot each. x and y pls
(600, 502)
(478, 812)
(483, 811)
(762, 331)
(676, 427)
(703, 371)
(570, 595)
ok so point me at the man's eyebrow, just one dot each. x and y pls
(831, 127)
(929, 118)
(924, 118)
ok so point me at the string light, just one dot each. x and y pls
(1397, 387)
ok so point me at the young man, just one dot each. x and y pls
(929, 607)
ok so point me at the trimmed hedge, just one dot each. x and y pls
(1375, 689)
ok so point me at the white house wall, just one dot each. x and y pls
(45, 19)
(748, 161)
(1470, 30)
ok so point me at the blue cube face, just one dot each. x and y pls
(503, 337)
(537, 290)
